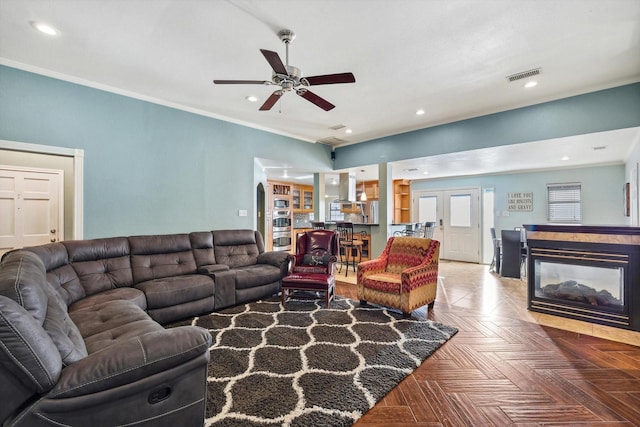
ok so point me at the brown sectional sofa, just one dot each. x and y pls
(81, 341)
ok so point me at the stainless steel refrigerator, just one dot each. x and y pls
(370, 212)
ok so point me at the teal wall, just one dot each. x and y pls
(609, 109)
(148, 168)
(602, 201)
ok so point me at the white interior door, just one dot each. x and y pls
(456, 213)
(31, 207)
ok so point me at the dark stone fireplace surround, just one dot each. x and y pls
(593, 246)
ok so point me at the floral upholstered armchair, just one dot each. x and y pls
(404, 276)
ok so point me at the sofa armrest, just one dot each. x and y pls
(275, 258)
(132, 360)
(212, 268)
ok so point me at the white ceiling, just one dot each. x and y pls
(447, 57)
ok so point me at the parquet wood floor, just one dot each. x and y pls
(501, 370)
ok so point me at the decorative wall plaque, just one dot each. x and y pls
(520, 202)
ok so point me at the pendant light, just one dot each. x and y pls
(363, 195)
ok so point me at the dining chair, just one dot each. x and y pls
(349, 246)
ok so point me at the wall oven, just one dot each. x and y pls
(281, 220)
(281, 203)
(282, 240)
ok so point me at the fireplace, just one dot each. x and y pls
(585, 273)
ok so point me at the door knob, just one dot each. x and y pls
(53, 231)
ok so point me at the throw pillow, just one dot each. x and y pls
(310, 259)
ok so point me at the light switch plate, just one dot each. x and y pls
(242, 212)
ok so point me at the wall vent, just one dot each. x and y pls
(524, 74)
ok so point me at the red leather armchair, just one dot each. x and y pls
(313, 265)
(316, 252)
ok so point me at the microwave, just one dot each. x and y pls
(281, 203)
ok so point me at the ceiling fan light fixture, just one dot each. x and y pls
(290, 79)
(251, 98)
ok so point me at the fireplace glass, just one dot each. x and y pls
(594, 286)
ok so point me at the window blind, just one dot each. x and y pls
(564, 202)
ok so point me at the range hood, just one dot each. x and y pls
(347, 188)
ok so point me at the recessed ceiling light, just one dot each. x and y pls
(348, 130)
(531, 84)
(425, 173)
(44, 28)
(419, 112)
(565, 158)
(251, 98)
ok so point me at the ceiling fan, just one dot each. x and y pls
(290, 78)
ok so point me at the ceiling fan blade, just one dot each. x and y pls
(274, 60)
(271, 101)
(312, 97)
(330, 79)
(242, 82)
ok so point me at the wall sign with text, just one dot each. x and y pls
(520, 202)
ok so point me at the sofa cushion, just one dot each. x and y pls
(27, 350)
(30, 290)
(256, 275)
(128, 294)
(60, 275)
(101, 264)
(202, 246)
(384, 282)
(62, 330)
(171, 291)
(407, 252)
(21, 279)
(156, 257)
(107, 323)
(235, 248)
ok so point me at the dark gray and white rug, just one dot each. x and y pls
(305, 365)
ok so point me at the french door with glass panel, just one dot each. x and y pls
(456, 213)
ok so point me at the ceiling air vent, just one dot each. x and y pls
(524, 74)
(337, 127)
(332, 140)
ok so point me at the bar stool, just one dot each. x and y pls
(317, 225)
(349, 245)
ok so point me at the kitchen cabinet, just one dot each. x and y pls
(302, 198)
(351, 208)
(372, 190)
(401, 201)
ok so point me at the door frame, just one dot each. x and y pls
(78, 175)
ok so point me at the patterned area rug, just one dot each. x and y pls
(306, 365)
